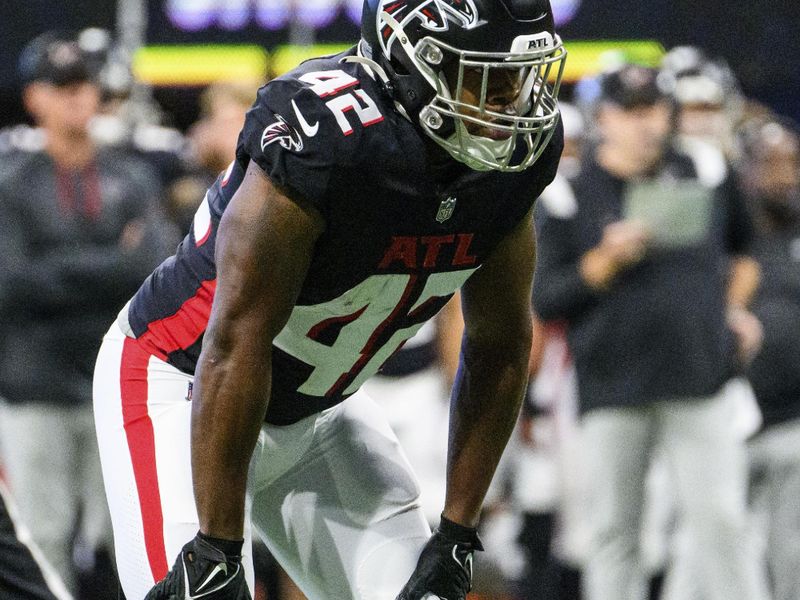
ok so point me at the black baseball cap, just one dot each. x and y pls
(630, 86)
(55, 59)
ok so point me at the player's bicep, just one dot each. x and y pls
(496, 300)
(264, 247)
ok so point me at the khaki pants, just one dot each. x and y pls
(775, 459)
(706, 459)
(53, 469)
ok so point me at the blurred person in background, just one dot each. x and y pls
(549, 475)
(649, 268)
(222, 111)
(78, 230)
(708, 104)
(708, 100)
(128, 117)
(211, 146)
(545, 484)
(769, 169)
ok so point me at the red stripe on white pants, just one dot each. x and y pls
(141, 444)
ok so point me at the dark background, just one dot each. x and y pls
(759, 38)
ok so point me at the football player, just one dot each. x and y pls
(367, 188)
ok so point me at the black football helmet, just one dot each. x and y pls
(429, 48)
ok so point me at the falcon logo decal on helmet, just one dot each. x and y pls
(461, 12)
(283, 133)
(433, 15)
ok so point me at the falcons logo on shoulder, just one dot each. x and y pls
(435, 15)
(280, 131)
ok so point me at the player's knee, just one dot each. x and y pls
(384, 571)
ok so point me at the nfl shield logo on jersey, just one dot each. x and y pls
(446, 209)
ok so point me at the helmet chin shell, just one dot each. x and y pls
(414, 40)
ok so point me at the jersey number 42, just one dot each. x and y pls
(333, 83)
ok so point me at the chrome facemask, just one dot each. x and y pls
(527, 122)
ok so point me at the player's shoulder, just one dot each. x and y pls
(326, 106)
(318, 124)
(324, 77)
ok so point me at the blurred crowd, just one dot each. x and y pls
(658, 453)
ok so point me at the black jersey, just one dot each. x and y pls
(401, 234)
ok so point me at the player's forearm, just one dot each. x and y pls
(230, 400)
(487, 398)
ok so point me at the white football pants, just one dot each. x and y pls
(332, 496)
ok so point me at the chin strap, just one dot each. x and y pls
(523, 103)
(402, 39)
(373, 69)
(407, 86)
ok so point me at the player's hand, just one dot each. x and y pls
(206, 569)
(444, 569)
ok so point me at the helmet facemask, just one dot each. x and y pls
(496, 104)
(490, 110)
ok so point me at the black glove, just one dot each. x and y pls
(210, 568)
(444, 568)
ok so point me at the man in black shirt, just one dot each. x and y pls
(646, 266)
(770, 174)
